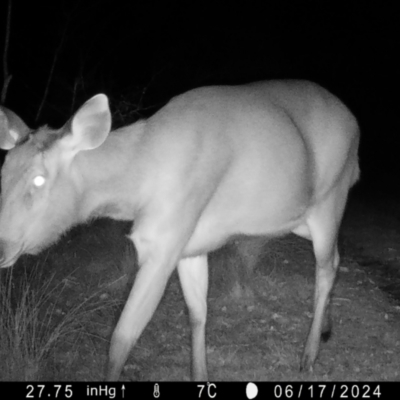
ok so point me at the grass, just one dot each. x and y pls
(30, 327)
(36, 323)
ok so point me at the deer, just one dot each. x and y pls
(265, 158)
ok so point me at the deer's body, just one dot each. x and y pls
(261, 159)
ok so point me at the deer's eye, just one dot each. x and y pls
(39, 180)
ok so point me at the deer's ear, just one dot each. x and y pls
(89, 127)
(12, 129)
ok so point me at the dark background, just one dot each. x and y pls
(141, 53)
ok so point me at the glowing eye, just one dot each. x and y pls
(39, 181)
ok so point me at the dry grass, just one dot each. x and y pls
(36, 322)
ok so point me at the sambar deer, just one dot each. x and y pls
(266, 158)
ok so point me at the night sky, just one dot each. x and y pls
(142, 53)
